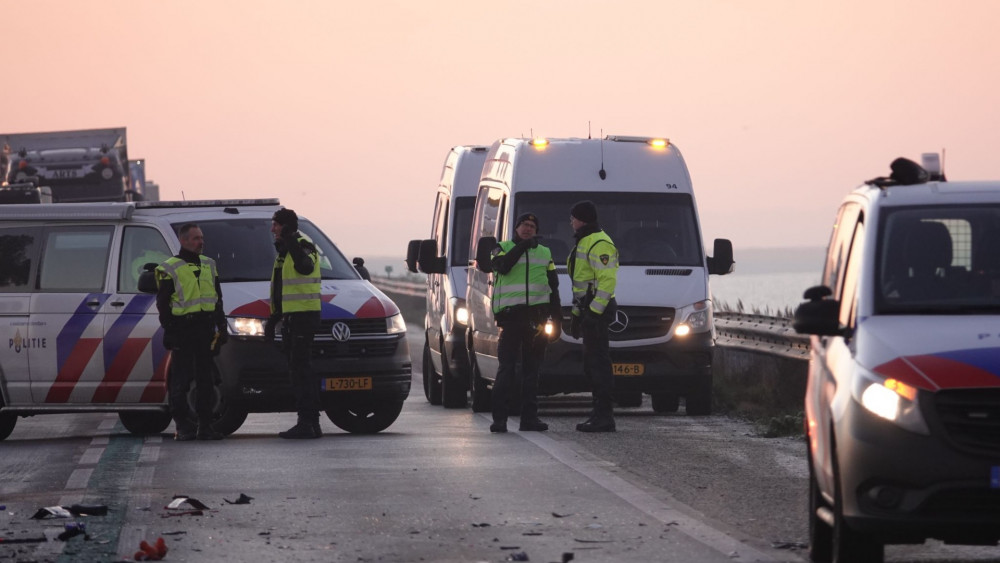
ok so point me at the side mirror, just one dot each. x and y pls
(147, 279)
(427, 259)
(721, 261)
(412, 252)
(484, 253)
(818, 315)
(359, 265)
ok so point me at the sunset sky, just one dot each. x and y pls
(345, 110)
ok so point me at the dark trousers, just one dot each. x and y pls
(298, 332)
(518, 340)
(597, 363)
(191, 361)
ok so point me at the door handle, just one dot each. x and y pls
(93, 303)
(117, 303)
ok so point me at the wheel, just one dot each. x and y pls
(7, 423)
(699, 401)
(820, 533)
(142, 423)
(453, 394)
(432, 384)
(628, 400)
(481, 395)
(227, 414)
(364, 419)
(850, 546)
(665, 402)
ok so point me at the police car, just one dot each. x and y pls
(78, 335)
(903, 398)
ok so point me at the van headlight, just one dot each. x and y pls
(694, 318)
(890, 399)
(246, 326)
(395, 324)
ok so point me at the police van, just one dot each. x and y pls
(445, 258)
(903, 398)
(78, 335)
(663, 335)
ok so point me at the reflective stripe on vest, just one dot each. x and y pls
(192, 294)
(592, 274)
(527, 282)
(298, 292)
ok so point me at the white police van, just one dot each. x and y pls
(903, 398)
(77, 334)
(663, 336)
(445, 259)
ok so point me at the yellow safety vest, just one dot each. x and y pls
(595, 270)
(298, 292)
(192, 294)
(527, 282)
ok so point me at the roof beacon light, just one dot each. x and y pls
(540, 143)
(931, 161)
(658, 143)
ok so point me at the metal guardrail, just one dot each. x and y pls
(402, 287)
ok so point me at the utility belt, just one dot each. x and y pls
(199, 318)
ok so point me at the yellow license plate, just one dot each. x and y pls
(628, 370)
(347, 384)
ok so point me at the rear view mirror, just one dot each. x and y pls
(818, 315)
(427, 259)
(484, 254)
(412, 252)
(721, 261)
(147, 279)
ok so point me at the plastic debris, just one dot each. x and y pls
(51, 512)
(87, 509)
(557, 515)
(481, 525)
(42, 539)
(519, 556)
(149, 552)
(788, 545)
(243, 499)
(73, 529)
(185, 506)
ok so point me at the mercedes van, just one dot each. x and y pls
(663, 335)
(903, 398)
(81, 337)
(445, 258)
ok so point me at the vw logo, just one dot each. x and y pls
(620, 322)
(341, 332)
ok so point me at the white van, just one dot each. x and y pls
(663, 336)
(80, 336)
(445, 258)
(903, 398)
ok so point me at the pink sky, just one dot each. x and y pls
(346, 110)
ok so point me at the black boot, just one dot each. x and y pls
(186, 430)
(304, 429)
(206, 432)
(316, 428)
(532, 425)
(598, 423)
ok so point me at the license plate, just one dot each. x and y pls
(628, 370)
(347, 384)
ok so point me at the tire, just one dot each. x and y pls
(453, 394)
(364, 419)
(666, 402)
(142, 423)
(699, 401)
(850, 546)
(432, 384)
(820, 534)
(629, 400)
(7, 424)
(481, 395)
(227, 415)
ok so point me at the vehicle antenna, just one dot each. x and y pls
(182, 196)
(942, 165)
(602, 173)
(588, 128)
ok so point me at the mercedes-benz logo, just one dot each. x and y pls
(620, 322)
(341, 332)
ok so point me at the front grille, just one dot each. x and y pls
(643, 323)
(971, 418)
(354, 348)
(358, 326)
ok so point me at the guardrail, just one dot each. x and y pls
(402, 287)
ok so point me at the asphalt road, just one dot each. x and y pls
(437, 486)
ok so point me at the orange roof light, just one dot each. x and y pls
(540, 143)
(658, 143)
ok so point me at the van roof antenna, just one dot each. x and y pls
(602, 173)
(588, 128)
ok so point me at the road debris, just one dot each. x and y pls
(243, 499)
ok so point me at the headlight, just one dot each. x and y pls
(395, 324)
(459, 312)
(246, 326)
(892, 400)
(696, 318)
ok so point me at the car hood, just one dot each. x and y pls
(341, 299)
(932, 352)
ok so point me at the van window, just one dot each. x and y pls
(461, 226)
(840, 241)
(243, 250)
(440, 227)
(140, 245)
(488, 215)
(649, 228)
(852, 276)
(75, 258)
(18, 250)
(939, 259)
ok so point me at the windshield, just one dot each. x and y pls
(649, 229)
(244, 250)
(460, 230)
(939, 260)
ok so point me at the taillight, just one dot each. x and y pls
(105, 161)
(22, 165)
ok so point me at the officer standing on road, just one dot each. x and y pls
(295, 301)
(525, 296)
(593, 269)
(189, 300)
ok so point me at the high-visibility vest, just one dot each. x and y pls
(298, 292)
(594, 269)
(192, 294)
(527, 282)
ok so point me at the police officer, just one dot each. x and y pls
(295, 302)
(593, 269)
(189, 300)
(525, 296)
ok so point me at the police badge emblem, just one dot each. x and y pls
(605, 258)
